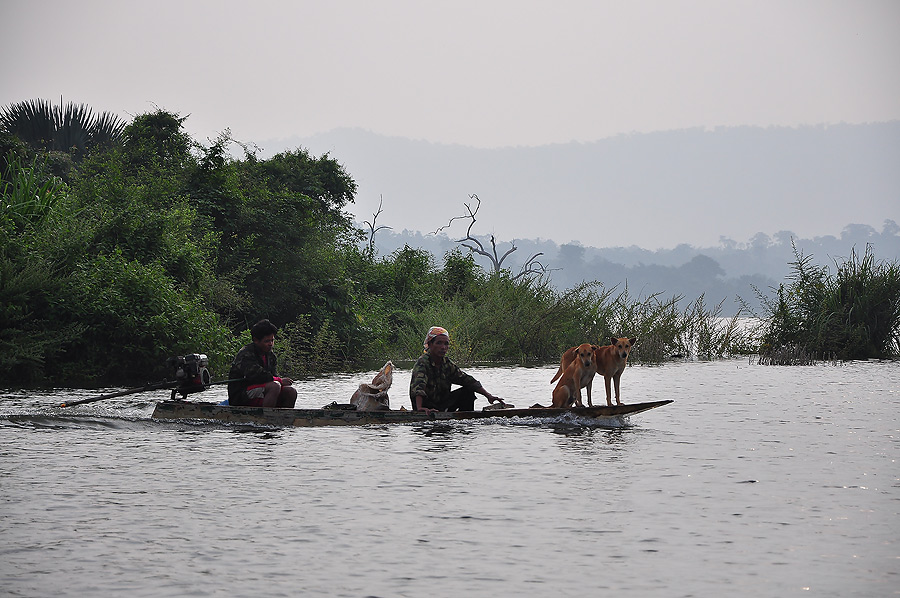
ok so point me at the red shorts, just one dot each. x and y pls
(255, 395)
(257, 392)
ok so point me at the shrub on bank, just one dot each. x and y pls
(853, 313)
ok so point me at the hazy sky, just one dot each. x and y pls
(485, 74)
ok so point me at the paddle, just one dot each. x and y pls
(156, 386)
(122, 393)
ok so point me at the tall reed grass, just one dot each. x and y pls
(27, 193)
(853, 313)
(528, 322)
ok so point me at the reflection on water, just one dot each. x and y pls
(440, 430)
(585, 435)
(442, 437)
(766, 481)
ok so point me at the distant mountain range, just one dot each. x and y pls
(650, 190)
(603, 203)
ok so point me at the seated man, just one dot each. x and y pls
(432, 375)
(253, 373)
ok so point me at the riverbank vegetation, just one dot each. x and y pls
(139, 243)
(851, 313)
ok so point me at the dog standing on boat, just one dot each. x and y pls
(587, 372)
(581, 367)
(611, 362)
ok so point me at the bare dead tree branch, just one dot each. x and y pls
(374, 229)
(531, 266)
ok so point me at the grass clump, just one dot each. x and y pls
(852, 313)
(666, 331)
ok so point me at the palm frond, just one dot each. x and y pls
(72, 128)
(32, 121)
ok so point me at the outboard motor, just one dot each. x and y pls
(191, 374)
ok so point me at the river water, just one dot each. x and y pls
(756, 481)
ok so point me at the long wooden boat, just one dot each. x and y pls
(187, 410)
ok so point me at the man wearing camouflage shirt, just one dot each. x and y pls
(433, 374)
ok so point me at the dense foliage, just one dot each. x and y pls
(853, 313)
(151, 245)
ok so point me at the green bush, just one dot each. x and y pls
(30, 335)
(27, 194)
(853, 313)
(135, 319)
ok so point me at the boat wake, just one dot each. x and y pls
(566, 420)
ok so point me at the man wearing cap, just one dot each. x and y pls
(432, 375)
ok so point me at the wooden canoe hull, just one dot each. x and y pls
(184, 410)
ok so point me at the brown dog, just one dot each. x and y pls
(581, 367)
(611, 362)
(587, 373)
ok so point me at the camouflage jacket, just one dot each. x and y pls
(433, 382)
(248, 369)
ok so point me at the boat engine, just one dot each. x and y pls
(191, 373)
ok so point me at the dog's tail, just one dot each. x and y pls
(562, 366)
(557, 375)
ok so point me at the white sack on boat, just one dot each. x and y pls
(373, 396)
